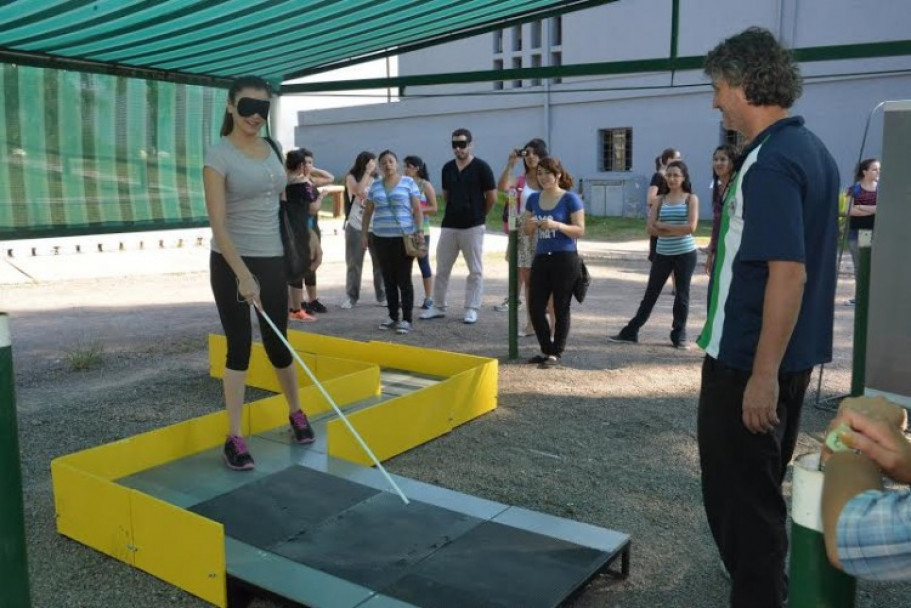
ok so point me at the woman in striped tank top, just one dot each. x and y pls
(673, 220)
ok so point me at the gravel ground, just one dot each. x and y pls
(608, 439)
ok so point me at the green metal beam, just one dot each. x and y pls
(897, 48)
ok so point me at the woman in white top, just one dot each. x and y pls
(525, 184)
(357, 185)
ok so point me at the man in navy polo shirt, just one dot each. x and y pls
(770, 310)
(470, 192)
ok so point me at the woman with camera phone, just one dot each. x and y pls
(525, 185)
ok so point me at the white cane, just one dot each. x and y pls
(331, 401)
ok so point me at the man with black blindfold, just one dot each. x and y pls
(469, 192)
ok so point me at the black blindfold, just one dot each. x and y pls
(248, 106)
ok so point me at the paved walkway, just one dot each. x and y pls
(182, 251)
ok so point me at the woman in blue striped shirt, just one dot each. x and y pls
(394, 206)
(673, 220)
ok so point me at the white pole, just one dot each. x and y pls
(332, 403)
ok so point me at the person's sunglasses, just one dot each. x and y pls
(459, 144)
(247, 106)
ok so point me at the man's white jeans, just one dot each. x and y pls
(470, 242)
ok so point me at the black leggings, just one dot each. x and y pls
(552, 274)
(235, 313)
(396, 266)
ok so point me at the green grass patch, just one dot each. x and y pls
(611, 229)
(83, 357)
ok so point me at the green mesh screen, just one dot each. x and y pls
(86, 153)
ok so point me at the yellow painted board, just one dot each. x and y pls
(334, 367)
(472, 393)
(271, 412)
(180, 547)
(391, 427)
(133, 454)
(260, 373)
(93, 511)
(331, 346)
(423, 360)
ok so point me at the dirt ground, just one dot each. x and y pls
(607, 439)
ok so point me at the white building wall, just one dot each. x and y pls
(835, 106)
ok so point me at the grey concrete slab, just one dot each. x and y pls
(291, 580)
(571, 531)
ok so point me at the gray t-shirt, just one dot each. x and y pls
(252, 188)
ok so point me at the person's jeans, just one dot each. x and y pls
(682, 266)
(742, 474)
(470, 243)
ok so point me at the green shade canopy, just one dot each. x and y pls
(208, 43)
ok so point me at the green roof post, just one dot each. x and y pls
(14, 592)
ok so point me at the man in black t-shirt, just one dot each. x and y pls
(469, 192)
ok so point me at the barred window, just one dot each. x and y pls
(616, 149)
(732, 138)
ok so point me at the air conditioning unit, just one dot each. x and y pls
(620, 197)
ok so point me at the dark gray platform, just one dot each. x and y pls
(325, 533)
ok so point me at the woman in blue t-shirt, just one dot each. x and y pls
(394, 207)
(558, 216)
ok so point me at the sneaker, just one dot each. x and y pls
(471, 316)
(381, 303)
(622, 337)
(301, 315)
(537, 359)
(681, 345)
(317, 307)
(428, 302)
(303, 432)
(550, 362)
(504, 306)
(403, 327)
(237, 456)
(432, 313)
(347, 304)
(851, 302)
(389, 323)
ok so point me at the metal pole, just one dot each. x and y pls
(513, 275)
(14, 592)
(813, 582)
(861, 311)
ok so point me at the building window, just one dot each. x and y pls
(616, 149)
(536, 63)
(536, 29)
(517, 37)
(517, 65)
(498, 67)
(556, 60)
(732, 138)
(498, 41)
(556, 31)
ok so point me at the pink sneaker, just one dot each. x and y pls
(303, 432)
(237, 456)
